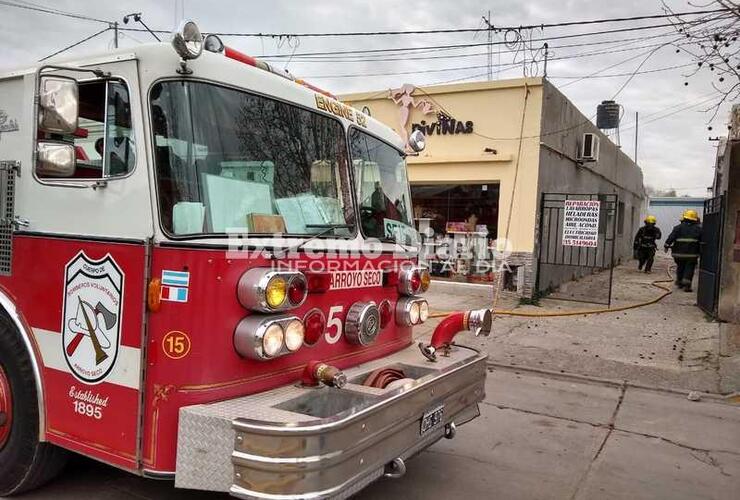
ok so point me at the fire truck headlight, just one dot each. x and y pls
(272, 340)
(265, 290)
(294, 334)
(263, 336)
(414, 313)
(188, 40)
(411, 311)
(423, 311)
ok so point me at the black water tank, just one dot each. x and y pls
(607, 115)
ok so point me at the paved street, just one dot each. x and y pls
(538, 437)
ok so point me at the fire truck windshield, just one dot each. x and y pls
(382, 188)
(230, 161)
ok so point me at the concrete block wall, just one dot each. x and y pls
(560, 171)
(522, 266)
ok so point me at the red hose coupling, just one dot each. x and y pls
(318, 372)
(478, 321)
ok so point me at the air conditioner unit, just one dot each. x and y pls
(589, 148)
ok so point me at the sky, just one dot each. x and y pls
(674, 149)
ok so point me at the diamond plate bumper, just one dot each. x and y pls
(296, 442)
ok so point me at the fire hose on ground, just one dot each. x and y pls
(529, 314)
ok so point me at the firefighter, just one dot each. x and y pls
(645, 243)
(684, 242)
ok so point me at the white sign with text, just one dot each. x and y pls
(581, 223)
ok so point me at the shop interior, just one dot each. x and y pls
(463, 224)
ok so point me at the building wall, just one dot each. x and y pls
(563, 126)
(669, 211)
(543, 160)
(496, 110)
(728, 170)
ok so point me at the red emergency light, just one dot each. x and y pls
(214, 44)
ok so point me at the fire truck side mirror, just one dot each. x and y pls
(59, 100)
(417, 141)
(55, 159)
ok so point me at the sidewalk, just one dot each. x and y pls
(668, 344)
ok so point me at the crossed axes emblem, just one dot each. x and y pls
(86, 324)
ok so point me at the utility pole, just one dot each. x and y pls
(115, 34)
(637, 123)
(490, 45)
(546, 54)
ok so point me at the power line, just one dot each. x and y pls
(380, 58)
(57, 12)
(330, 57)
(508, 65)
(554, 132)
(467, 45)
(613, 75)
(75, 44)
(475, 30)
(700, 102)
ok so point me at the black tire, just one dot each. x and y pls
(25, 462)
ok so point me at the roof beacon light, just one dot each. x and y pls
(188, 40)
(214, 44)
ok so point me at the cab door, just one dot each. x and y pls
(80, 265)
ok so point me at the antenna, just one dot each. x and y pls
(137, 18)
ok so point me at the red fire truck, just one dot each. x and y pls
(204, 276)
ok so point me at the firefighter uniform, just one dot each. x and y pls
(685, 243)
(645, 244)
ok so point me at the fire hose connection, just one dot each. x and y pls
(478, 321)
(318, 372)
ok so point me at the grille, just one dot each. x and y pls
(8, 170)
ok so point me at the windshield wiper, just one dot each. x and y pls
(325, 228)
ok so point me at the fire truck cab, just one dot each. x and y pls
(208, 274)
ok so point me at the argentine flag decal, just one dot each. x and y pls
(175, 278)
(175, 285)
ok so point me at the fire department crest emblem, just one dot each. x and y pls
(91, 319)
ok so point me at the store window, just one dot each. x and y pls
(458, 208)
(463, 223)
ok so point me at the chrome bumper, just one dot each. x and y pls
(343, 439)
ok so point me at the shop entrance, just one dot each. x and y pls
(463, 223)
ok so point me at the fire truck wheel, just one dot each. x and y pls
(25, 462)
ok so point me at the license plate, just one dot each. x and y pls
(431, 419)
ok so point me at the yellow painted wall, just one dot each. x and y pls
(496, 108)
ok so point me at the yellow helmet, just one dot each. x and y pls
(690, 215)
(650, 219)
